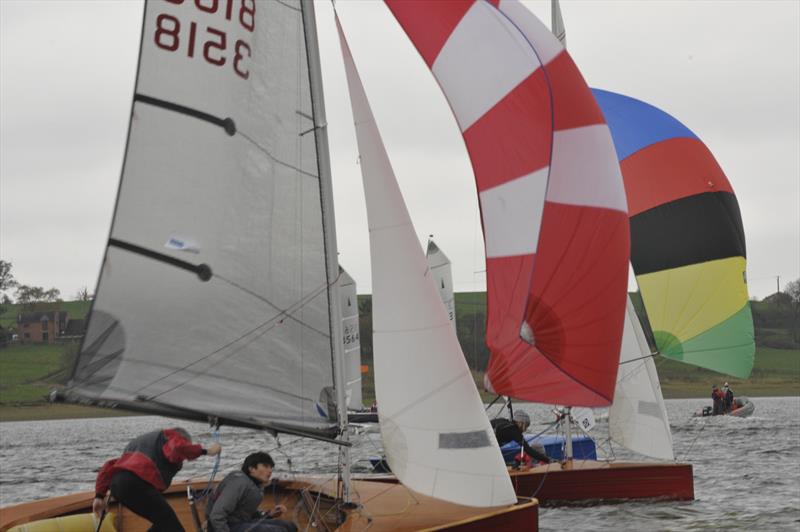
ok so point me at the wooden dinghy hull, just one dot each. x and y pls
(386, 507)
(589, 480)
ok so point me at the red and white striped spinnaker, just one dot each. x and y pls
(552, 201)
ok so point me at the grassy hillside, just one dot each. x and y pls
(28, 373)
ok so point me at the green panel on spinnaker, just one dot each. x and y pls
(719, 349)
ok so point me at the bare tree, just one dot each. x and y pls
(84, 295)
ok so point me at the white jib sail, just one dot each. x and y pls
(435, 432)
(637, 419)
(351, 340)
(442, 273)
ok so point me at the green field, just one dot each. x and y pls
(28, 373)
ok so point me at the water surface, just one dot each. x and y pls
(746, 471)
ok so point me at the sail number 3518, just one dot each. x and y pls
(209, 43)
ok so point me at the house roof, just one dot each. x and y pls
(34, 317)
(75, 328)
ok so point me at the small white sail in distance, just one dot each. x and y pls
(637, 419)
(435, 432)
(351, 338)
(442, 273)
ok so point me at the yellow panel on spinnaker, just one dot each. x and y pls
(688, 301)
(69, 523)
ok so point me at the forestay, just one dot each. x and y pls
(442, 273)
(435, 433)
(637, 419)
(687, 238)
(552, 201)
(213, 296)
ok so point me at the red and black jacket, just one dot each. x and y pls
(155, 457)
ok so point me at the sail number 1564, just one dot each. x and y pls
(205, 41)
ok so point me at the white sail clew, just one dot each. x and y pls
(435, 432)
(351, 340)
(442, 273)
(637, 419)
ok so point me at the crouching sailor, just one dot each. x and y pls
(234, 505)
(506, 432)
(145, 469)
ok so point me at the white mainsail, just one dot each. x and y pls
(351, 340)
(442, 273)
(217, 292)
(637, 419)
(435, 432)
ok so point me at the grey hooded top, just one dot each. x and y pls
(235, 500)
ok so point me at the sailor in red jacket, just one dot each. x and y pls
(145, 469)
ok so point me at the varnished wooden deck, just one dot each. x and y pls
(383, 506)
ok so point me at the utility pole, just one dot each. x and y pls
(778, 280)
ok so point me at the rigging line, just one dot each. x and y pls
(287, 312)
(272, 322)
(693, 442)
(225, 123)
(651, 355)
(94, 347)
(203, 271)
(275, 159)
(103, 381)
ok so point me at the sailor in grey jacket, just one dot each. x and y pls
(234, 505)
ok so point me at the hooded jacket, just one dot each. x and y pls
(155, 457)
(235, 500)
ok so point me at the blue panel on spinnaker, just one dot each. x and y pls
(635, 125)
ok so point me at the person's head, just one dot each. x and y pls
(259, 466)
(183, 432)
(714, 387)
(522, 419)
(725, 385)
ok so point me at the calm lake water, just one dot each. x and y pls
(746, 471)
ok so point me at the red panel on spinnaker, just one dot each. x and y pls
(552, 201)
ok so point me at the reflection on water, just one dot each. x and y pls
(746, 471)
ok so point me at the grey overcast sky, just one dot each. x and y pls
(729, 70)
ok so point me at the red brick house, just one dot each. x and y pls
(41, 327)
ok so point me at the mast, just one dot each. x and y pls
(557, 22)
(566, 418)
(329, 231)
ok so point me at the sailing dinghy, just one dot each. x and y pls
(693, 287)
(554, 218)
(218, 296)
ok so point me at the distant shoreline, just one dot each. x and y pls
(46, 411)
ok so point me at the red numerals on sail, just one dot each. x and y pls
(206, 42)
